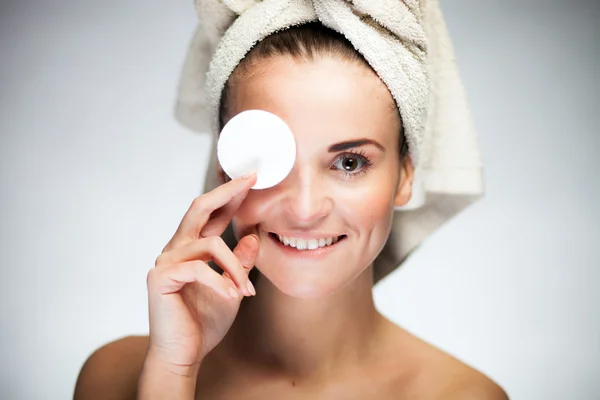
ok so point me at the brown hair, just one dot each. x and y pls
(303, 43)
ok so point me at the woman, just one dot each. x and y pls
(305, 326)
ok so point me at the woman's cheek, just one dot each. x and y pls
(371, 216)
(368, 203)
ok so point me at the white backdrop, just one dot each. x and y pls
(96, 175)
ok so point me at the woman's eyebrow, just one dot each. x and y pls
(334, 148)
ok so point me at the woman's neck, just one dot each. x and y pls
(303, 338)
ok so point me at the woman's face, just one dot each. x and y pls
(346, 179)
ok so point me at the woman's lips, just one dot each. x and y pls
(315, 253)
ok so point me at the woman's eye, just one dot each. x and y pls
(352, 164)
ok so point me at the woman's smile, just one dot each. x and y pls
(311, 248)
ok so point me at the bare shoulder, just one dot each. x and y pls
(428, 372)
(462, 382)
(112, 371)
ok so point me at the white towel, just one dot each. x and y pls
(407, 44)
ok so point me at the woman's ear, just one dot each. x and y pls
(404, 190)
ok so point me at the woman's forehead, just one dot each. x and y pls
(325, 96)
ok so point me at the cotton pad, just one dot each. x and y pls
(257, 141)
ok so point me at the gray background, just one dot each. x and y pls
(96, 175)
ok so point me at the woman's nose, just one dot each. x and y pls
(305, 200)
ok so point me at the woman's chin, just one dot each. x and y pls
(309, 275)
(298, 286)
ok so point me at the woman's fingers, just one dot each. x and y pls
(172, 278)
(212, 248)
(220, 218)
(246, 251)
(202, 207)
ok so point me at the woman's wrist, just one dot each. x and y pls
(160, 380)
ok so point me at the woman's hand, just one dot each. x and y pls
(191, 307)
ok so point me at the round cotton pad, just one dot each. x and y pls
(257, 141)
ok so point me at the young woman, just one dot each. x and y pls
(305, 326)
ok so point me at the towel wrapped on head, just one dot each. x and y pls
(407, 45)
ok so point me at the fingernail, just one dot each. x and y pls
(248, 176)
(251, 289)
(233, 293)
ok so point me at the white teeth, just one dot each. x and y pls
(313, 244)
(306, 244)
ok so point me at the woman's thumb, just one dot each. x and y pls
(246, 251)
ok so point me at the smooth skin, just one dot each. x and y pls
(312, 330)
